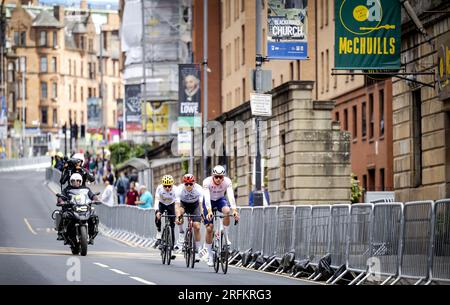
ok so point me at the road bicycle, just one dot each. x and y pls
(166, 245)
(220, 247)
(189, 242)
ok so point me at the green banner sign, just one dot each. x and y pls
(368, 34)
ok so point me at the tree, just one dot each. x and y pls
(357, 190)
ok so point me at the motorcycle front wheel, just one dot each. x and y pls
(83, 240)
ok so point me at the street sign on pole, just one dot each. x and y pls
(261, 104)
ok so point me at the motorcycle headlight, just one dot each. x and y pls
(81, 208)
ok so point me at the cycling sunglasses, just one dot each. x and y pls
(189, 184)
(167, 186)
(218, 177)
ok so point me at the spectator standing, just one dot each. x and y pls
(122, 186)
(108, 193)
(146, 199)
(266, 200)
(132, 195)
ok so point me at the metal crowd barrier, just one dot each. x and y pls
(440, 260)
(302, 232)
(245, 229)
(416, 244)
(25, 163)
(320, 234)
(385, 241)
(359, 236)
(340, 214)
(270, 234)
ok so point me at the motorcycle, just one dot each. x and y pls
(79, 222)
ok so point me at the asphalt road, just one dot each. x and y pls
(30, 253)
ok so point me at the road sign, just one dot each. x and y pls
(261, 104)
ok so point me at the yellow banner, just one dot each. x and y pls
(161, 116)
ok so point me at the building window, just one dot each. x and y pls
(327, 10)
(55, 39)
(54, 90)
(298, 70)
(74, 67)
(345, 119)
(243, 43)
(327, 70)
(381, 105)
(23, 39)
(364, 183)
(82, 94)
(44, 94)
(371, 117)
(322, 74)
(242, 5)
(417, 136)
(70, 92)
(82, 43)
(11, 72)
(75, 93)
(19, 85)
(237, 50)
(228, 59)
(321, 13)
(243, 90)
(291, 70)
(16, 39)
(355, 122)
(382, 180)
(82, 117)
(70, 67)
(55, 117)
(371, 186)
(363, 120)
(42, 38)
(283, 163)
(54, 64)
(44, 116)
(44, 67)
(227, 13)
(236, 10)
(281, 79)
(337, 116)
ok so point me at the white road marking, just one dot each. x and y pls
(29, 226)
(118, 271)
(141, 280)
(101, 265)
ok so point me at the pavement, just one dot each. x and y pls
(30, 253)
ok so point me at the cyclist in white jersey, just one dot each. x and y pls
(189, 196)
(215, 188)
(165, 197)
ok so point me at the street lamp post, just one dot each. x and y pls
(205, 85)
(258, 196)
(22, 68)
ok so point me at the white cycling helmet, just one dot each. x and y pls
(79, 156)
(218, 170)
(76, 177)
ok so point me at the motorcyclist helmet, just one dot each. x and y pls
(76, 180)
(79, 156)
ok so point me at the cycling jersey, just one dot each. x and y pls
(193, 196)
(165, 197)
(213, 192)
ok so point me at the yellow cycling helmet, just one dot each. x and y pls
(167, 180)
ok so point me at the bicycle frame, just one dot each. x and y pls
(166, 239)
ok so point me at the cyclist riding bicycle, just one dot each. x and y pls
(214, 188)
(189, 197)
(165, 197)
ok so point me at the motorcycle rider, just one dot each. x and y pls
(75, 165)
(76, 183)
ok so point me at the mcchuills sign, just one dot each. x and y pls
(368, 34)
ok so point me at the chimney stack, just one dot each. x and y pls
(58, 12)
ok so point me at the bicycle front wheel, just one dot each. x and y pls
(187, 248)
(163, 246)
(169, 245)
(216, 255)
(192, 249)
(224, 253)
